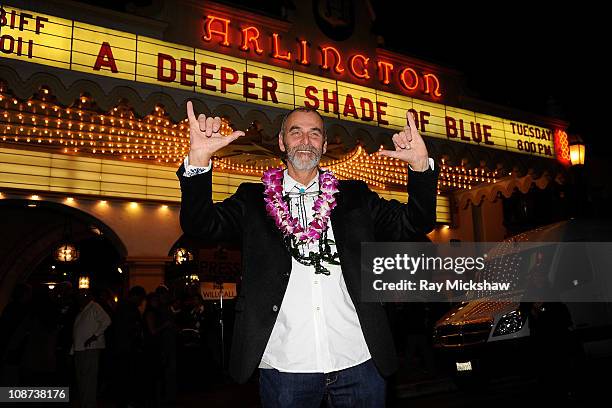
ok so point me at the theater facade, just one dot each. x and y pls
(93, 127)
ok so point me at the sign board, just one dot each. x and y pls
(67, 44)
(213, 291)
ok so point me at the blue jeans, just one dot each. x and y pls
(358, 386)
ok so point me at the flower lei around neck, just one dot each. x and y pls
(294, 234)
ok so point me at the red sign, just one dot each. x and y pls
(357, 67)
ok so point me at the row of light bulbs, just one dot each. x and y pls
(119, 133)
(375, 170)
(155, 138)
(379, 171)
(463, 178)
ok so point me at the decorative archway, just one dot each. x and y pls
(31, 234)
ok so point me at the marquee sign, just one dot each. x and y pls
(63, 43)
(249, 38)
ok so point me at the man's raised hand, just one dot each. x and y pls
(409, 146)
(205, 138)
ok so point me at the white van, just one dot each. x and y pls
(485, 337)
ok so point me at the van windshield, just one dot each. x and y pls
(524, 266)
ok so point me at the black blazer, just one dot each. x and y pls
(360, 216)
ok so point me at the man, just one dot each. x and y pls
(88, 342)
(167, 335)
(299, 316)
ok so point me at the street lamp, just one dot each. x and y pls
(577, 149)
(578, 176)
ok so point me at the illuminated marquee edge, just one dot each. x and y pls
(456, 126)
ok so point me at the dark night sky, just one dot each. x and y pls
(513, 54)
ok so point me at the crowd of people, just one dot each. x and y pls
(124, 350)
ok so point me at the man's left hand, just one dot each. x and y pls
(90, 340)
(409, 146)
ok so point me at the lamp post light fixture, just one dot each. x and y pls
(66, 253)
(579, 177)
(577, 151)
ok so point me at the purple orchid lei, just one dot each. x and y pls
(293, 233)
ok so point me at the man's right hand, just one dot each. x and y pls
(205, 138)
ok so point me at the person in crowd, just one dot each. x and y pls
(128, 348)
(88, 342)
(66, 306)
(106, 299)
(168, 342)
(152, 349)
(13, 315)
(34, 343)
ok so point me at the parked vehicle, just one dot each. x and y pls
(492, 337)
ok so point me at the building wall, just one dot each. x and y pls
(492, 220)
(463, 226)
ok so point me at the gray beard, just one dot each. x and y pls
(303, 165)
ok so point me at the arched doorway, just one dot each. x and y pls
(32, 231)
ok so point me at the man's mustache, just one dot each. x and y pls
(304, 147)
